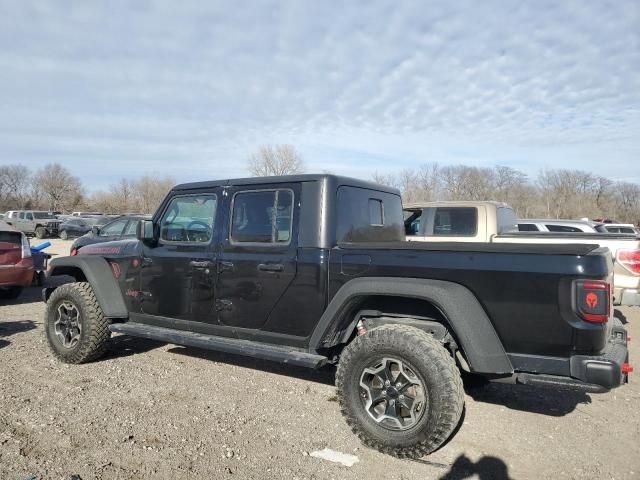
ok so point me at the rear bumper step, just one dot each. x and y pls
(557, 381)
(276, 353)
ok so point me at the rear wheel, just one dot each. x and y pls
(76, 328)
(64, 235)
(41, 232)
(400, 390)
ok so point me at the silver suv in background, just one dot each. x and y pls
(557, 226)
(33, 222)
(618, 228)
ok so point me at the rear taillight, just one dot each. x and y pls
(26, 248)
(74, 252)
(593, 300)
(629, 259)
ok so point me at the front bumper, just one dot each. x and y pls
(605, 370)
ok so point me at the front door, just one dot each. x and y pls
(258, 256)
(178, 275)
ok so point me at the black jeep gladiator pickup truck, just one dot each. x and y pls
(313, 269)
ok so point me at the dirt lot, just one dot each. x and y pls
(152, 410)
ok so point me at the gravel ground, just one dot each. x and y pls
(153, 410)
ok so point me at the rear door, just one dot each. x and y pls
(19, 222)
(257, 261)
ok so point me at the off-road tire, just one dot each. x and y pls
(431, 361)
(10, 293)
(40, 232)
(95, 332)
(64, 235)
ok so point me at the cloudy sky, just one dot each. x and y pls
(190, 89)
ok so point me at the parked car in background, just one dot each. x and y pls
(16, 264)
(119, 229)
(78, 226)
(493, 222)
(34, 222)
(558, 226)
(618, 228)
(86, 214)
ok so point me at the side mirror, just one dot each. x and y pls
(146, 232)
(95, 230)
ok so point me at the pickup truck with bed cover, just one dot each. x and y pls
(313, 269)
(495, 222)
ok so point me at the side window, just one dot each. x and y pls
(29, 216)
(527, 227)
(21, 216)
(130, 231)
(113, 228)
(562, 228)
(263, 216)
(451, 221)
(366, 215)
(507, 220)
(189, 219)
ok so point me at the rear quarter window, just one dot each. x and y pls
(562, 228)
(527, 227)
(455, 221)
(366, 215)
(507, 220)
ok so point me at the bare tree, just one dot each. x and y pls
(15, 183)
(627, 199)
(275, 160)
(127, 195)
(122, 196)
(149, 192)
(60, 190)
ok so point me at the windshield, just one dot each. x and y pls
(96, 220)
(43, 215)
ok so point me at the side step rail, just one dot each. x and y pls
(276, 353)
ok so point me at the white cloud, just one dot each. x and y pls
(191, 88)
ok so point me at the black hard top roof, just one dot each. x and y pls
(317, 177)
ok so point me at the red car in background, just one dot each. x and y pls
(16, 264)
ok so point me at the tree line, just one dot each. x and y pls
(55, 189)
(554, 193)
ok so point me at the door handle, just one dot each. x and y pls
(271, 267)
(225, 267)
(200, 264)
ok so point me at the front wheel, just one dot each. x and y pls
(76, 328)
(400, 390)
(41, 232)
(64, 235)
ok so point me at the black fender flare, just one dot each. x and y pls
(470, 323)
(99, 274)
